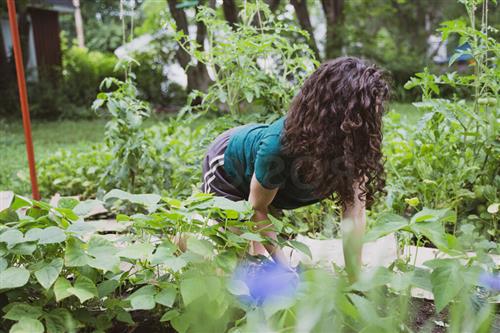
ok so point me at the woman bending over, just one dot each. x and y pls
(328, 143)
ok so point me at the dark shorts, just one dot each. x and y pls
(215, 180)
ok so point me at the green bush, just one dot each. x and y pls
(256, 68)
(61, 273)
(83, 71)
(70, 172)
(452, 157)
(175, 169)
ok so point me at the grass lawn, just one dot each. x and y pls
(48, 137)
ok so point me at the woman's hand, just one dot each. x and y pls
(353, 229)
(260, 198)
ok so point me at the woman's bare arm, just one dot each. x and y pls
(353, 229)
(260, 198)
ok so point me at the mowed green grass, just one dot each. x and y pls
(48, 137)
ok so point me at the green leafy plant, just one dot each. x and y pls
(452, 159)
(70, 172)
(60, 273)
(136, 161)
(255, 67)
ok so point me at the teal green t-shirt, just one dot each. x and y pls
(257, 148)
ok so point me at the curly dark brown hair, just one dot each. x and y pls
(335, 121)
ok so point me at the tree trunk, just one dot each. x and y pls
(302, 13)
(273, 4)
(197, 75)
(335, 17)
(3, 56)
(24, 32)
(79, 24)
(230, 12)
(7, 79)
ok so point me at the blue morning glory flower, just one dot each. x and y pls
(490, 281)
(265, 280)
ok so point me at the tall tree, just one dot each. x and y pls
(273, 4)
(302, 13)
(335, 18)
(197, 74)
(230, 12)
(79, 24)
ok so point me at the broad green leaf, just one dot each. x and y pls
(169, 315)
(23, 249)
(20, 311)
(163, 251)
(61, 289)
(401, 281)
(278, 224)
(20, 202)
(447, 282)
(226, 204)
(12, 237)
(435, 233)
(107, 287)
(67, 202)
(143, 299)
(48, 274)
(81, 228)
(227, 261)
(68, 214)
(301, 247)
(200, 246)
(51, 235)
(137, 251)
(150, 201)
(386, 224)
(252, 237)
(99, 246)
(122, 218)
(14, 277)
(3, 264)
(434, 215)
(124, 316)
(175, 263)
(84, 289)
(366, 309)
(86, 207)
(274, 304)
(106, 263)
(166, 296)
(372, 278)
(70, 324)
(27, 325)
(33, 234)
(56, 323)
(191, 289)
(422, 279)
(37, 212)
(74, 255)
(8, 215)
(142, 302)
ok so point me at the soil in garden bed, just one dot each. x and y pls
(424, 316)
(145, 323)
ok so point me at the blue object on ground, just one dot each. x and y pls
(490, 281)
(266, 280)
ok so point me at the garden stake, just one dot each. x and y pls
(23, 96)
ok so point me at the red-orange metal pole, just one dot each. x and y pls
(23, 96)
